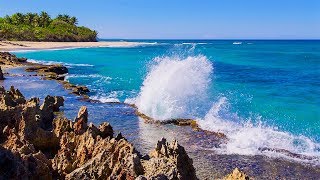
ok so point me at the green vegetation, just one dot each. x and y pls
(41, 27)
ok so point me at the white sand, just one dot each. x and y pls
(27, 45)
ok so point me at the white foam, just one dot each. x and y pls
(249, 139)
(133, 44)
(108, 97)
(174, 87)
(237, 43)
(57, 62)
(105, 99)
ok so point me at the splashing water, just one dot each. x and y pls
(249, 139)
(175, 87)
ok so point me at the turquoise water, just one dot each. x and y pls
(259, 93)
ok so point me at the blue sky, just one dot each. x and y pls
(185, 19)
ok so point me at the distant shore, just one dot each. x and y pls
(28, 45)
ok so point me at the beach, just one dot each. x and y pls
(29, 45)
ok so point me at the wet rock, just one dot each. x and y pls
(1, 74)
(80, 90)
(56, 68)
(236, 175)
(55, 72)
(7, 58)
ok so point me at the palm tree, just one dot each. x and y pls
(64, 17)
(73, 20)
(36, 21)
(8, 19)
(28, 18)
(17, 18)
(44, 19)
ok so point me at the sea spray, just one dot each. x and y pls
(175, 87)
(246, 138)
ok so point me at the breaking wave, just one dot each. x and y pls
(252, 139)
(174, 87)
(178, 87)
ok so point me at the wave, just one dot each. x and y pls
(254, 139)
(177, 87)
(111, 97)
(134, 44)
(237, 43)
(57, 62)
(88, 76)
(104, 99)
(174, 87)
(194, 43)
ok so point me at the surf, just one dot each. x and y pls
(177, 87)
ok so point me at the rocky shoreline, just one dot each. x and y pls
(58, 72)
(38, 142)
(49, 72)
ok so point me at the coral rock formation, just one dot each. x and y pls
(236, 175)
(36, 144)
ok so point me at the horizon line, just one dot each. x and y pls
(316, 39)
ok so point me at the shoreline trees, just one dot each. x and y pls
(41, 27)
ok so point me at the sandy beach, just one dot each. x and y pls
(28, 45)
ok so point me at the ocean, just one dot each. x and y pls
(263, 94)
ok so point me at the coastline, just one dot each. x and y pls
(12, 46)
(194, 138)
(208, 164)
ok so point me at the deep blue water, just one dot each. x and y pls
(269, 89)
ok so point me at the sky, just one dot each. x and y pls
(185, 19)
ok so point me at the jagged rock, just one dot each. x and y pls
(51, 104)
(7, 58)
(19, 98)
(1, 74)
(236, 175)
(58, 102)
(34, 146)
(61, 125)
(79, 90)
(170, 160)
(81, 120)
(106, 130)
(20, 159)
